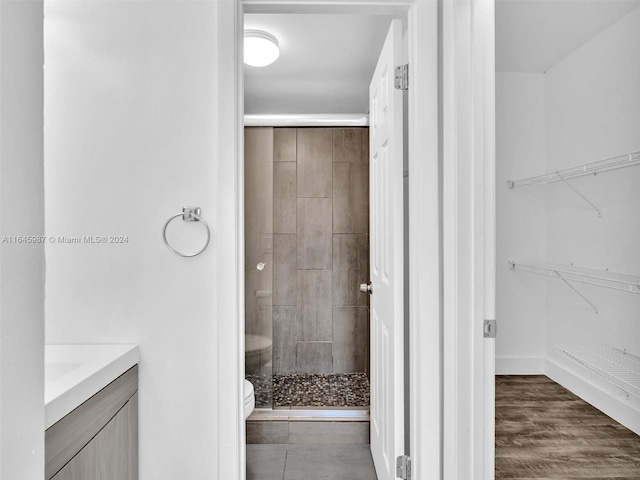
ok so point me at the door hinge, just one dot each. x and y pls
(402, 77)
(403, 467)
(490, 328)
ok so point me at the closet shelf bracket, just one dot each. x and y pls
(595, 309)
(599, 213)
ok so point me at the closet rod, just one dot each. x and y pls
(593, 168)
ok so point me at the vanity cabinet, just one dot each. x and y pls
(99, 439)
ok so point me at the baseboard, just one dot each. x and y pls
(606, 397)
(520, 366)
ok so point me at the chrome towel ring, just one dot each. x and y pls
(188, 214)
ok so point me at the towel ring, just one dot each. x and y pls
(188, 214)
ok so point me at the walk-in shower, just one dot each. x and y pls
(306, 253)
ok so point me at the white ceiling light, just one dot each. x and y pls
(260, 48)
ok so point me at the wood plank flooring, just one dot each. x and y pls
(545, 431)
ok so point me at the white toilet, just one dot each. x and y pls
(257, 353)
(249, 399)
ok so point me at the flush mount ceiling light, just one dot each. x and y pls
(260, 48)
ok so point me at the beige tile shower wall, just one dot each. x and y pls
(320, 250)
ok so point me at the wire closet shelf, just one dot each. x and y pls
(601, 278)
(570, 273)
(593, 168)
(615, 365)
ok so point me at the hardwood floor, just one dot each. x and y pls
(545, 431)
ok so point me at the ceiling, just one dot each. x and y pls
(534, 35)
(325, 65)
(326, 61)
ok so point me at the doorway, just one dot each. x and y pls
(391, 393)
(317, 237)
(425, 400)
(568, 351)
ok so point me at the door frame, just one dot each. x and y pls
(468, 161)
(425, 305)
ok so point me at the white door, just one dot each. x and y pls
(386, 228)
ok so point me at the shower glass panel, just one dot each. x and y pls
(258, 200)
(306, 253)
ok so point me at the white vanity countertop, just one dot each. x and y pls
(74, 373)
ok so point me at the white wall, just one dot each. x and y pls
(520, 222)
(593, 113)
(131, 119)
(22, 265)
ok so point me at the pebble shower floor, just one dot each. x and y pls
(311, 390)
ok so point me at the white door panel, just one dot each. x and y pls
(386, 229)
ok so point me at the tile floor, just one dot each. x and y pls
(310, 462)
